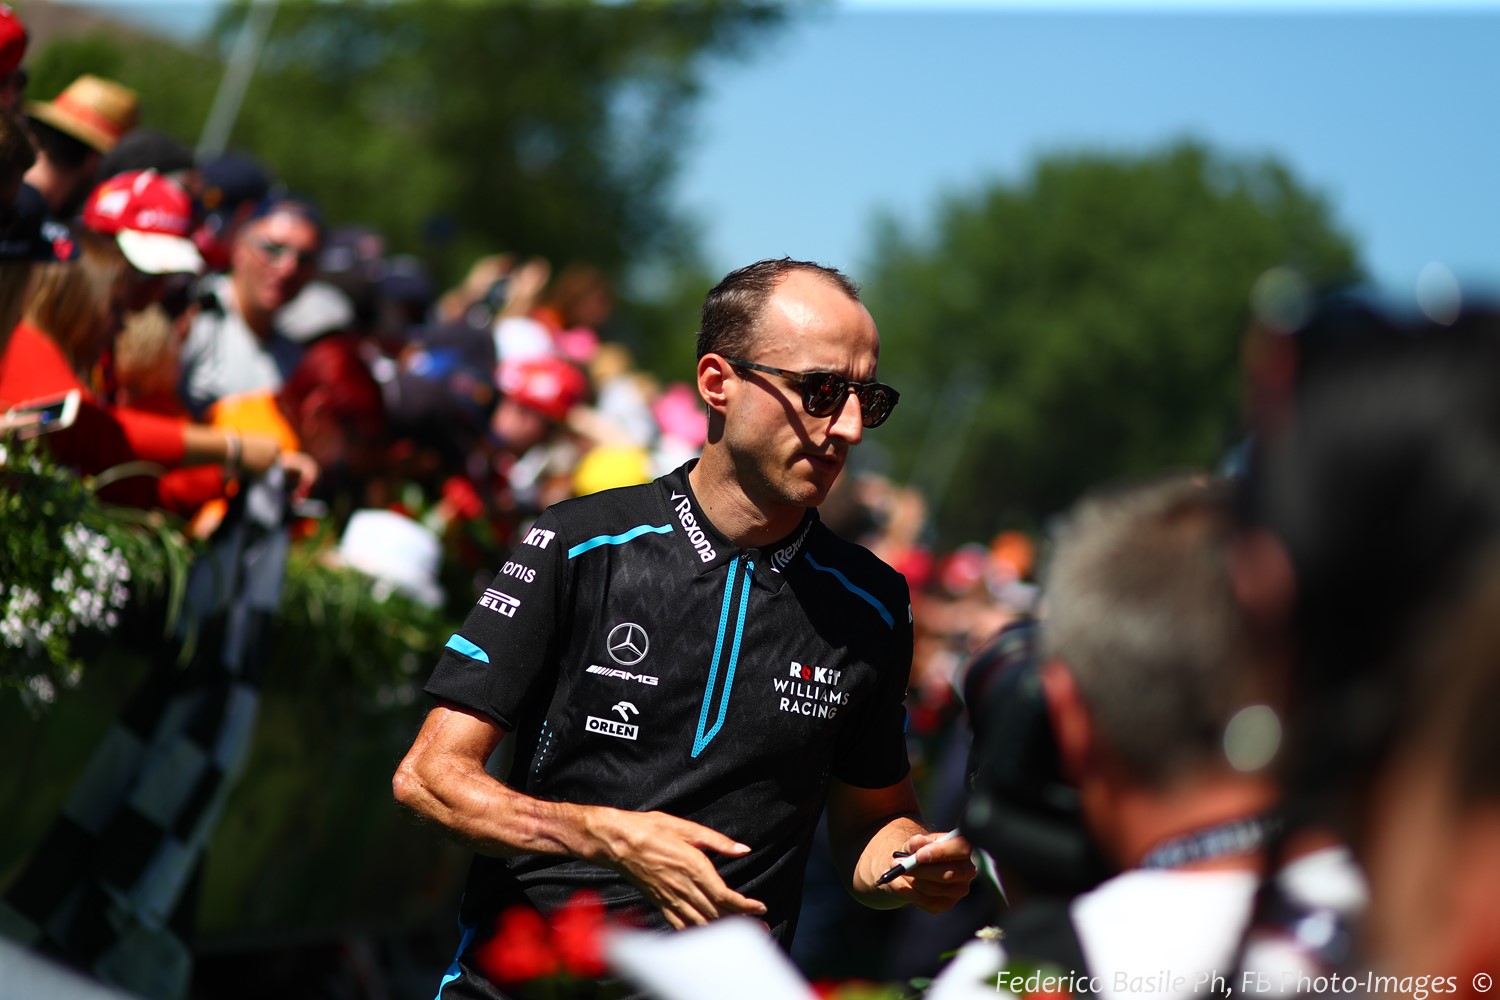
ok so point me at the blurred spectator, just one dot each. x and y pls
(13, 41)
(234, 186)
(72, 132)
(532, 453)
(151, 219)
(1149, 678)
(1372, 517)
(75, 304)
(236, 343)
(145, 357)
(77, 300)
(148, 149)
(1431, 834)
(20, 227)
(330, 409)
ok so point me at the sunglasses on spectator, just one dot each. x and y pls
(275, 253)
(823, 393)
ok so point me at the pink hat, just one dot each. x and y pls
(547, 385)
(151, 217)
(679, 413)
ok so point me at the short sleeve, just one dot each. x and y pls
(874, 755)
(508, 641)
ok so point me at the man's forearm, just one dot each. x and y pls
(876, 859)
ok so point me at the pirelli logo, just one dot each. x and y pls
(501, 603)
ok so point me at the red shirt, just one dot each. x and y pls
(102, 437)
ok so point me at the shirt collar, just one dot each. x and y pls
(709, 549)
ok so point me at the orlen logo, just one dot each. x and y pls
(539, 537)
(816, 675)
(514, 569)
(609, 727)
(695, 534)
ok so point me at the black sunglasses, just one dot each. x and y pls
(275, 252)
(824, 392)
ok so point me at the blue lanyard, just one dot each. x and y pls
(1240, 836)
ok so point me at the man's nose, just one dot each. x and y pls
(848, 420)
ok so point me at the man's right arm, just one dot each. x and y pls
(443, 779)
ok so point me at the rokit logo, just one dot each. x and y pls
(609, 727)
(514, 569)
(539, 537)
(695, 534)
(811, 691)
(503, 603)
(624, 675)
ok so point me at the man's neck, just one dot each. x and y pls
(257, 320)
(1131, 819)
(727, 505)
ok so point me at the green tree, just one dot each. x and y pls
(459, 129)
(1082, 325)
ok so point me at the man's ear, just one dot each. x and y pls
(713, 382)
(1071, 725)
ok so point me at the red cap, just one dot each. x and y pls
(548, 385)
(151, 216)
(12, 41)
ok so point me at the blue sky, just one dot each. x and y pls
(1389, 114)
(1384, 107)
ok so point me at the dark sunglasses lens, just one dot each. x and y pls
(876, 402)
(822, 392)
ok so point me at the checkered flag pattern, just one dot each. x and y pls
(108, 888)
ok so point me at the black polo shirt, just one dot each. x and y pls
(646, 663)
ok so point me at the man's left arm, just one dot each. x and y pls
(866, 826)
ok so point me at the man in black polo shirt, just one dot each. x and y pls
(694, 667)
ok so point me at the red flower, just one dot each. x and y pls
(461, 498)
(519, 950)
(577, 933)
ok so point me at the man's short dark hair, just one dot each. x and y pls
(59, 147)
(733, 306)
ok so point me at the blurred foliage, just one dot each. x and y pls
(459, 129)
(341, 624)
(1082, 325)
(71, 570)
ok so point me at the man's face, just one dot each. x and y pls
(273, 258)
(782, 455)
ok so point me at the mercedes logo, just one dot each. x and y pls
(628, 644)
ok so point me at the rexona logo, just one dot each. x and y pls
(609, 727)
(503, 603)
(514, 569)
(810, 691)
(539, 537)
(782, 557)
(695, 534)
(624, 675)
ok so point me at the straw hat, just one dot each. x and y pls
(93, 110)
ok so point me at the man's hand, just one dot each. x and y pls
(443, 779)
(664, 856)
(941, 876)
(867, 826)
